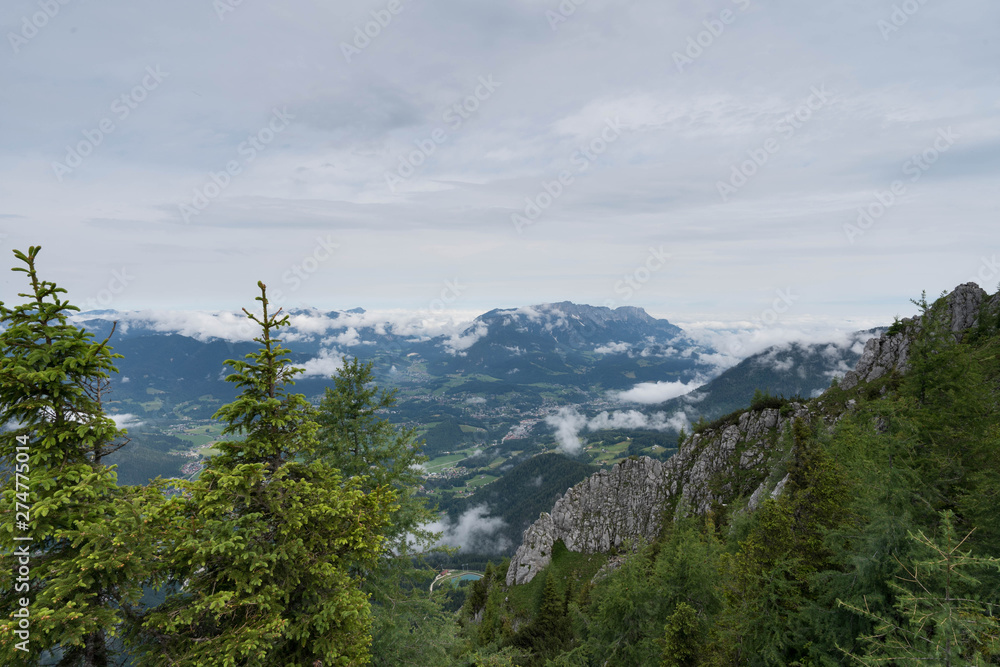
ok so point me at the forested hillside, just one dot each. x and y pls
(307, 537)
(880, 547)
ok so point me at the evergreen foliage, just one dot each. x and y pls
(266, 551)
(409, 626)
(300, 543)
(942, 616)
(90, 540)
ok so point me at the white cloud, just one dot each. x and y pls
(126, 420)
(568, 423)
(656, 392)
(475, 531)
(612, 348)
(458, 343)
(633, 419)
(344, 328)
(735, 341)
(327, 363)
(348, 338)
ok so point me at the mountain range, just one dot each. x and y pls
(488, 396)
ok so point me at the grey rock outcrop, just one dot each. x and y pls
(715, 466)
(629, 501)
(882, 355)
(887, 353)
(596, 515)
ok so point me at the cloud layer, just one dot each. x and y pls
(174, 157)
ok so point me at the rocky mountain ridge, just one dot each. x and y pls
(631, 500)
(717, 465)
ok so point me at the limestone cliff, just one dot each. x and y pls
(596, 515)
(631, 499)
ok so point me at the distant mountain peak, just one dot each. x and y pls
(583, 312)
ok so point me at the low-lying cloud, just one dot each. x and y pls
(126, 420)
(568, 423)
(649, 393)
(475, 531)
(325, 364)
(342, 328)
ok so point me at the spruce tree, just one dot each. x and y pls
(82, 540)
(265, 561)
(356, 438)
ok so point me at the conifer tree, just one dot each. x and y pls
(769, 580)
(82, 540)
(681, 637)
(264, 562)
(357, 439)
(550, 631)
(942, 617)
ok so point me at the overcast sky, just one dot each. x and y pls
(713, 155)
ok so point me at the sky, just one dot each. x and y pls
(793, 164)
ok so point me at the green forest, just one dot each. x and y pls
(304, 540)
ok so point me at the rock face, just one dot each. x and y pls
(596, 515)
(882, 355)
(717, 465)
(629, 501)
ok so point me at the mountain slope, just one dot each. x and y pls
(743, 455)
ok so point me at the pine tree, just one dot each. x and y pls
(942, 618)
(264, 561)
(90, 541)
(769, 581)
